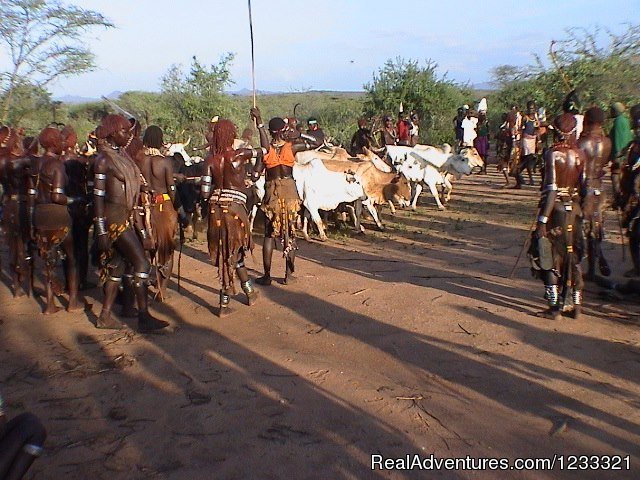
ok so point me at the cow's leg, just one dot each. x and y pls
(434, 191)
(447, 187)
(305, 224)
(356, 211)
(373, 212)
(414, 201)
(392, 207)
(315, 216)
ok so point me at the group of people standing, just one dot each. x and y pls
(569, 224)
(126, 189)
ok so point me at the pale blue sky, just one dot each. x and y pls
(329, 45)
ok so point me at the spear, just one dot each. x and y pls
(253, 58)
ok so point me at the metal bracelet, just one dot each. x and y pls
(205, 179)
(543, 219)
(100, 176)
(101, 226)
(172, 188)
(260, 125)
(205, 188)
(99, 193)
(32, 191)
(33, 450)
(58, 190)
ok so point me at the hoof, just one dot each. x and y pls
(414, 208)
(323, 238)
(441, 207)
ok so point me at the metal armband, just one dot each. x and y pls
(32, 191)
(100, 176)
(172, 188)
(99, 193)
(205, 188)
(205, 179)
(543, 219)
(33, 450)
(101, 226)
(58, 190)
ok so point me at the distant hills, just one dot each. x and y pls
(245, 92)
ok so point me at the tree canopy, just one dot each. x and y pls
(43, 40)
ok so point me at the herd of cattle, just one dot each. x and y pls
(329, 178)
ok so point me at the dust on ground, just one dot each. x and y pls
(408, 341)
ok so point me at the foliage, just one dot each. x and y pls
(43, 42)
(419, 89)
(193, 98)
(602, 75)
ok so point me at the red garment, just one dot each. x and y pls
(403, 130)
(286, 157)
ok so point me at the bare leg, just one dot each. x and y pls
(20, 445)
(267, 253)
(110, 291)
(71, 272)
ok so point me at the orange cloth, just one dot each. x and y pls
(286, 157)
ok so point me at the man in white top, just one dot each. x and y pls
(469, 129)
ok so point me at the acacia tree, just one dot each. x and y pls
(604, 68)
(43, 42)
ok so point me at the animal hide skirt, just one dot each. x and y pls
(565, 226)
(164, 223)
(15, 218)
(281, 205)
(52, 224)
(118, 221)
(229, 238)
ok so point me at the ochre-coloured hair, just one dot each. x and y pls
(69, 137)
(565, 123)
(223, 135)
(153, 137)
(594, 116)
(111, 124)
(50, 137)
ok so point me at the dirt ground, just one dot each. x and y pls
(408, 341)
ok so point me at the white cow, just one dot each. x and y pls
(322, 189)
(421, 172)
(424, 164)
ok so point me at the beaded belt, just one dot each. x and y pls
(228, 195)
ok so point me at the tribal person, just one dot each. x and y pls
(158, 170)
(228, 235)
(15, 216)
(51, 218)
(388, 133)
(514, 126)
(281, 202)
(77, 168)
(530, 126)
(21, 442)
(556, 247)
(620, 135)
(630, 194)
(502, 147)
(115, 194)
(597, 148)
(361, 139)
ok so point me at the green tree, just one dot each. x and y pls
(604, 68)
(43, 42)
(419, 88)
(194, 98)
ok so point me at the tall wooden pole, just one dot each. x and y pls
(253, 58)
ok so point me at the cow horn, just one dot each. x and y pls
(187, 142)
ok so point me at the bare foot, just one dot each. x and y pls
(105, 321)
(75, 306)
(147, 323)
(51, 309)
